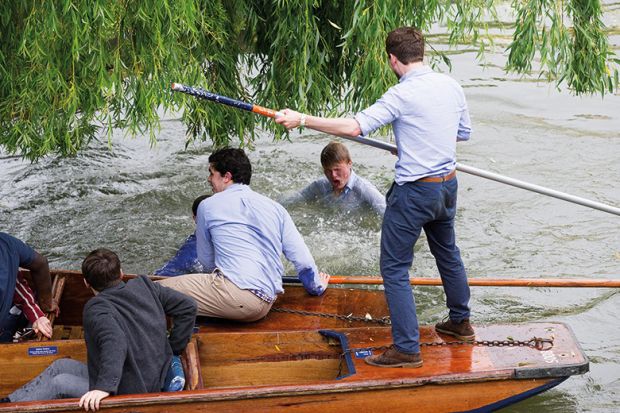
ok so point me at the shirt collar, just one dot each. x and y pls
(234, 186)
(351, 181)
(419, 71)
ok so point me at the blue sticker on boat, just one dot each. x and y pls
(42, 351)
(363, 353)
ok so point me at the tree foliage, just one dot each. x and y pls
(70, 69)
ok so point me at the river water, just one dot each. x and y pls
(136, 200)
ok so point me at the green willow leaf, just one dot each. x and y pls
(72, 70)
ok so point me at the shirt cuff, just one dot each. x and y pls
(362, 120)
(308, 277)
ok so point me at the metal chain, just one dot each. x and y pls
(538, 343)
(383, 321)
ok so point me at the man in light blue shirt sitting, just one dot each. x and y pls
(428, 114)
(340, 186)
(241, 236)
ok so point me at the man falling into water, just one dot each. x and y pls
(428, 113)
(340, 186)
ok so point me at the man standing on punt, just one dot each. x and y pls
(429, 114)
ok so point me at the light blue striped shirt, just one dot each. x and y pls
(357, 193)
(243, 234)
(428, 113)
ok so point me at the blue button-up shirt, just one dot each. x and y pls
(357, 192)
(185, 261)
(428, 113)
(243, 234)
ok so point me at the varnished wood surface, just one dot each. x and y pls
(282, 363)
(342, 301)
(273, 370)
(425, 399)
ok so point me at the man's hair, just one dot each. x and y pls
(197, 202)
(406, 43)
(101, 269)
(234, 161)
(334, 153)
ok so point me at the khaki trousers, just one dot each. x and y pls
(217, 296)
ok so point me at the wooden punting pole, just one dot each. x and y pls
(489, 282)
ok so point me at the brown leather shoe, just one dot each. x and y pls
(463, 330)
(395, 358)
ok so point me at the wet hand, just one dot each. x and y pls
(289, 118)
(92, 399)
(324, 280)
(43, 326)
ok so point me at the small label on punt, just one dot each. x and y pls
(363, 353)
(42, 351)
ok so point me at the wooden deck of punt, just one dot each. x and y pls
(283, 363)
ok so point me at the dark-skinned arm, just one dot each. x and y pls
(40, 273)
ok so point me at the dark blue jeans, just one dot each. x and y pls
(412, 207)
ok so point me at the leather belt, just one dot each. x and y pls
(438, 178)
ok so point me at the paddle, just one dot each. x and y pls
(203, 94)
(480, 282)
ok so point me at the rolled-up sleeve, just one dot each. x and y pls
(384, 111)
(464, 130)
(464, 126)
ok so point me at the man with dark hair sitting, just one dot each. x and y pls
(125, 330)
(185, 260)
(240, 237)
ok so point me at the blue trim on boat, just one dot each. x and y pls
(517, 398)
(346, 353)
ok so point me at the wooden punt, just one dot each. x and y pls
(305, 363)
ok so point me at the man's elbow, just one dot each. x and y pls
(354, 131)
(39, 263)
(350, 128)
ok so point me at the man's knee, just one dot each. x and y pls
(67, 366)
(61, 365)
(67, 385)
(187, 282)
